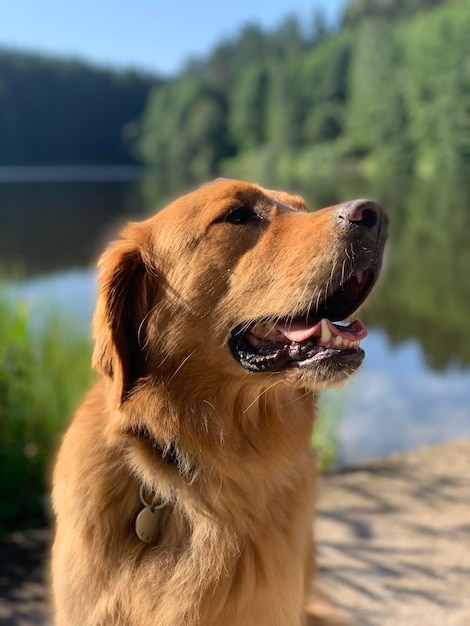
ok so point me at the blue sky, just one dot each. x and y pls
(156, 35)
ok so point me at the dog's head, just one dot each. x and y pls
(236, 282)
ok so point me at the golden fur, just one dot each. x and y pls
(235, 545)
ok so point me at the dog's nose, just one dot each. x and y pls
(363, 213)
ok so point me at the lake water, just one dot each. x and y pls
(414, 386)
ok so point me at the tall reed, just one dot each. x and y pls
(44, 369)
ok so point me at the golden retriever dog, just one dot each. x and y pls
(184, 487)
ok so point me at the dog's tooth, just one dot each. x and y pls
(325, 332)
(359, 276)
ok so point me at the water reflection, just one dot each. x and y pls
(49, 226)
(397, 403)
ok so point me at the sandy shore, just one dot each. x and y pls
(394, 539)
(393, 542)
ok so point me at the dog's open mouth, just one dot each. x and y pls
(307, 340)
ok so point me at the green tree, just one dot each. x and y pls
(287, 41)
(231, 58)
(357, 10)
(377, 119)
(183, 131)
(284, 113)
(437, 87)
(319, 29)
(247, 108)
(323, 87)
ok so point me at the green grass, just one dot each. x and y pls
(326, 429)
(44, 369)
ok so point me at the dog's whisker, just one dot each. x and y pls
(182, 364)
(141, 325)
(262, 393)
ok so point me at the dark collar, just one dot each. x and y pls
(168, 454)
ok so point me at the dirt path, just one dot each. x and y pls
(393, 539)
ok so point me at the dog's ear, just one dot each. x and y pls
(124, 291)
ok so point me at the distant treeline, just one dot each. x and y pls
(388, 87)
(55, 111)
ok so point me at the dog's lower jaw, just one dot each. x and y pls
(320, 377)
(331, 375)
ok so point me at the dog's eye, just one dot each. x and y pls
(242, 215)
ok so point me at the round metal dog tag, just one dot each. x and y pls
(147, 524)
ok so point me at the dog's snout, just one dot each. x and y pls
(363, 213)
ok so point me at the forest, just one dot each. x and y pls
(388, 86)
(55, 111)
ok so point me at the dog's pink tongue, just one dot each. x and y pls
(324, 330)
(324, 333)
